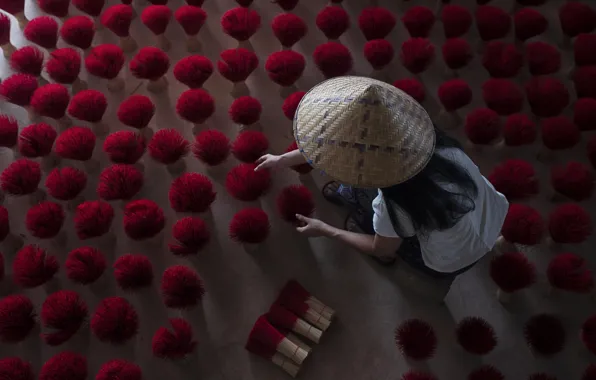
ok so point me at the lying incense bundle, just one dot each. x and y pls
(272, 339)
(268, 353)
(282, 318)
(296, 291)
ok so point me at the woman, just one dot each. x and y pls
(433, 206)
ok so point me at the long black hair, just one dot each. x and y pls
(428, 204)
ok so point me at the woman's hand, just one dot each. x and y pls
(268, 161)
(313, 227)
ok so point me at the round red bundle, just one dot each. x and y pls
(528, 23)
(576, 18)
(17, 319)
(193, 71)
(117, 19)
(290, 104)
(191, 192)
(195, 105)
(143, 219)
(333, 59)
(93, 219)
(124, 147)
(456, 53)
(584, 80)
(133, 272)
(63, 311)
(412, 87)
(588, 333)
(237, 64)
(18, 89)
(285, 67)
(119, 369)
(5, 34)
(105, 61)
(136, 111)
(573, 180)
(523, 225)
(583, 50)
(456, 20)
(50, 100)
(249, 226)
(167, 146)
(379, 53)
(175, 344)
(64, 365)
(64, 65)
(21, 177)
(75, 143)
(589, 373)
(417, 375)
(191, 235)
(33, 267)
(569, 224)
(250, 145)
(13, 368)
(559, 133)
(212, 147)
(417, 54)
(42, 31)
(14, 7)
(545, 334)
(333, 22)
(88, 105)
(419, 20)
(181, 287)
(591, 150)
(84, 265)
(503, 96)
(119, 182)
(44, 220)
(416, 339)
(512, 271)
(519, 130)
(91, 7)
(36, 140)
(288, 28)
(543, 59)
(149, 63)
(476, 335)
(9, 131)
(78, 31)
(246, 184)
(515, 179)
(483, 126)
(245, 110)
(584, 114)
(240, 23)
(376, 22)
(454, 94)
(293, 200)
(191, 19)
(570, 272)
(547, 96)
(58, 8)
(486, 372)
(114, 320)
(286, 5)
(302, 168)
(492, 23)
(502, 60)
(27, 60)
(156, 18)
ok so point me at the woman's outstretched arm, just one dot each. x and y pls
(286, 160)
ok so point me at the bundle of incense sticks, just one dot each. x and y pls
(280, 317)
(271, 354)
(294, 290)
(271, 338)
(303, 310)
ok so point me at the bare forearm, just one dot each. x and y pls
(292, 158)
(362, 242)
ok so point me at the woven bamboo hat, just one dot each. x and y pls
(363, 132)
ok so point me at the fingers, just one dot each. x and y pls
(301, 229)
(261, 159)
(302, 218)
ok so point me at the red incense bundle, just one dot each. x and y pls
(303, 310)
(42, 31)
(269, 353)
(293, 290)
(105, 61)
(7, 47)
(15, 8)
(191, 19)
(78, 31)
(156, 18)
(117, 19)
(268, 336)
(152, 64)
(64, 67)
(285, 319)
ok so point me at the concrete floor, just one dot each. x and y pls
(370, 300)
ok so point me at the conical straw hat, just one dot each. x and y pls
(363, 132)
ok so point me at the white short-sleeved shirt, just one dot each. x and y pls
(469, 239)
